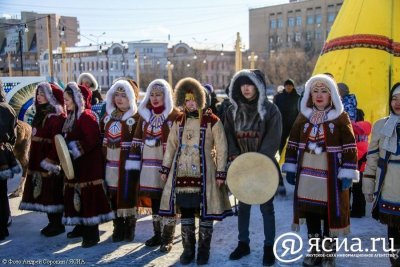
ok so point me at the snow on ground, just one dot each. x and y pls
(26, 243)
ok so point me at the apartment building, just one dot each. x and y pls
(297, 24)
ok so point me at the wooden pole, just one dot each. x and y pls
(50, 47)
(9, 64)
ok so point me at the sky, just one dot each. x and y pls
(203, 24)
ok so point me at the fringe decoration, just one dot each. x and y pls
(41, 207)
(89, 220)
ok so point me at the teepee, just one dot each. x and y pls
(363, 51)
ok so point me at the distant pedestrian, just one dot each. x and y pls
(287, 102)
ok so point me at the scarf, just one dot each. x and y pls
(69, 122)
(319, 116)
(390, 134)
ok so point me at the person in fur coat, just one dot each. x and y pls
(321, 161)
(8, 164)
(85, 201)
(44, 185)
(90, 82)
(194, 168)
(119, 126)
(157, 114)
(253, 124)
(381, 176)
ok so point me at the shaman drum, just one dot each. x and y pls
(64, 156)
(253, 178)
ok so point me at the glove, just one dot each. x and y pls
(291, 178)
(346, 183)
(369, 197)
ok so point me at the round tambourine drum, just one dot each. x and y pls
(253, 178)
(64, 156)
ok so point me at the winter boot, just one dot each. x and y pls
(118, 232)
(91, 236)
(167, 236)
(76, 232)
(203, 249)
(129, 228)
(329, 250)
(55, 227)
(269, 257)
(156, 239)
(314, 257)
(240, 251)
(188, 242)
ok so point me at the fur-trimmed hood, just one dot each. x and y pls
(190, 85)
(338, 108)
(168, 102)
(54, 94)
(78, 98)
(90, 77)
(110, 106)
(257, 77)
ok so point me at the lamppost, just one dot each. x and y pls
(21, 28)
(97, 39)
(170, 67)
(252, 58)
(137, 67)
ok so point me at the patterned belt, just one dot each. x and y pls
(41, 139)
(85, 184)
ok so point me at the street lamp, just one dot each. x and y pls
(137, 67)
(252, 58)
(21, 28)
(97, 38)
(170, 67)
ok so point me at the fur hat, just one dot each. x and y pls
(258, 79)
(168, 103)
(127, 87)
(190, 85)
(209, 88)
(394, 91)
(77, 97)
(54, 95)
(133, 83)
(288, 82)
(86, 75)
(330, 84)
(87, 95)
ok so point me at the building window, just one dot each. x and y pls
(318, 19)
(298, 37)
(318, 35)
(272, 23)
(310, 19)
(291, 22)
(331, 17)
(309, 36)
(280, 23)
(298, 20)
(290, 37)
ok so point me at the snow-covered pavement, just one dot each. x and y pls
(26, 244)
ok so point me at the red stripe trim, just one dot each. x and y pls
(371, 41)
